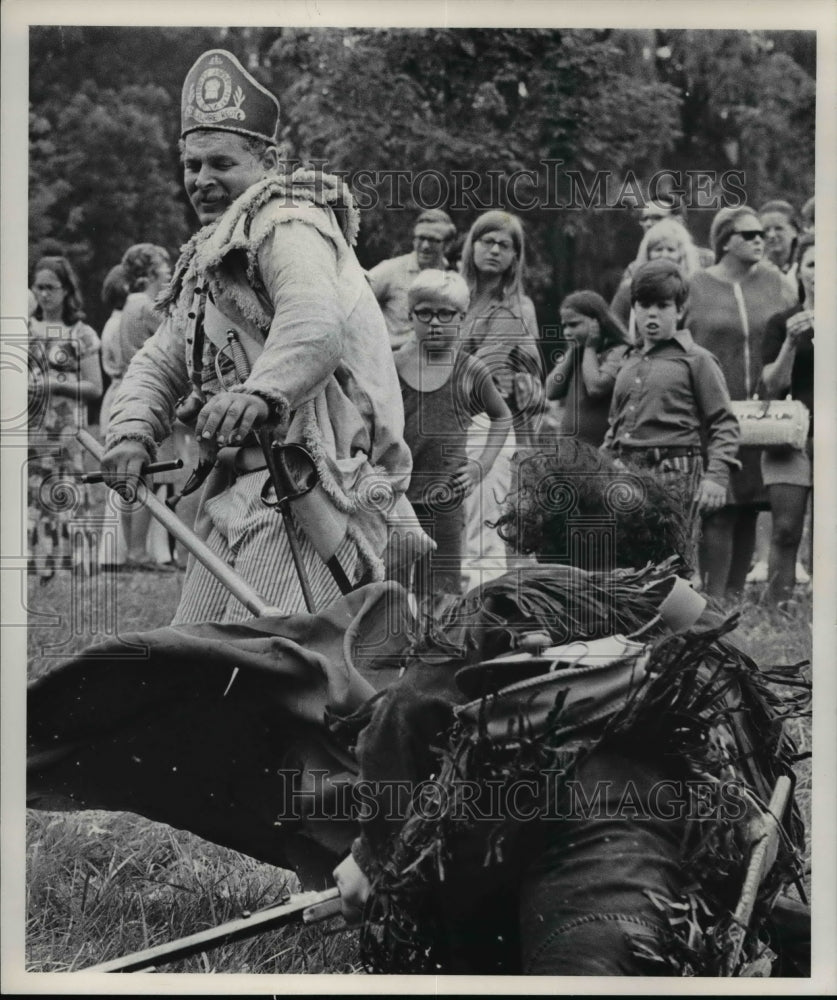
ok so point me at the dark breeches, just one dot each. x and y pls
(583, 898)
(571, 897)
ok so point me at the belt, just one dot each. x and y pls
(658, 454)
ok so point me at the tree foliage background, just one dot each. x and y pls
(104, 123)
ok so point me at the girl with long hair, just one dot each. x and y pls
(501, 330)
(585, 373)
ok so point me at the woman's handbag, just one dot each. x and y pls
(772, 423)
(781, 424)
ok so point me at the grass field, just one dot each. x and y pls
(100, 885)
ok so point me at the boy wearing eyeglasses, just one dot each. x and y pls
(670, 396)
(433, 235)
(443, 389)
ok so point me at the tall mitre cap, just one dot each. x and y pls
(220, 95)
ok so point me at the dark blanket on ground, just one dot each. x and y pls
(150, 723)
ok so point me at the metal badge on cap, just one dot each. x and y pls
(219, 94)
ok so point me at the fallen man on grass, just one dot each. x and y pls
(588, 762)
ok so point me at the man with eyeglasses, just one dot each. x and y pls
(433, 233)
(654, 211)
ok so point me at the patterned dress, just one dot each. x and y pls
(502, 333)
(59, 506)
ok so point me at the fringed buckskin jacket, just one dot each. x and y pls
(279, 265)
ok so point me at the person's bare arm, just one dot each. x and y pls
(493, 405)
(558, 380)
(776, 376)
(599, 374)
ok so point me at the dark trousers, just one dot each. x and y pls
(571, 897)
(583, 898)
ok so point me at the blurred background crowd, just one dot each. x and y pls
(604, 149)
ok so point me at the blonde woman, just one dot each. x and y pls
(666, 239)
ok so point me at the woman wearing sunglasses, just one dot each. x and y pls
(727, 313)
(501, 330)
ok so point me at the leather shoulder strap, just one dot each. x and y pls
(217, 324)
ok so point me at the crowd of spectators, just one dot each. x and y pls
(66, 362)
(678, 415)
(650, 379)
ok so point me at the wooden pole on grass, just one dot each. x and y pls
(191, 542)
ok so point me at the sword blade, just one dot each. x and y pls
(305, 907)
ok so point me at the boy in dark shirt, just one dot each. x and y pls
(670, 394)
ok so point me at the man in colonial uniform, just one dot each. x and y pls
(269, 324)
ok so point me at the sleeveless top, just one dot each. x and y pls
(436, 425)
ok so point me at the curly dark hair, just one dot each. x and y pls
(574, 506)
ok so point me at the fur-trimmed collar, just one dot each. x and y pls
(301, 190)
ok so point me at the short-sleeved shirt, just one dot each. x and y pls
(503, 334)
(802, 374)
(390, 281)
(436, 424)
(667, 396)
(585, 416)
